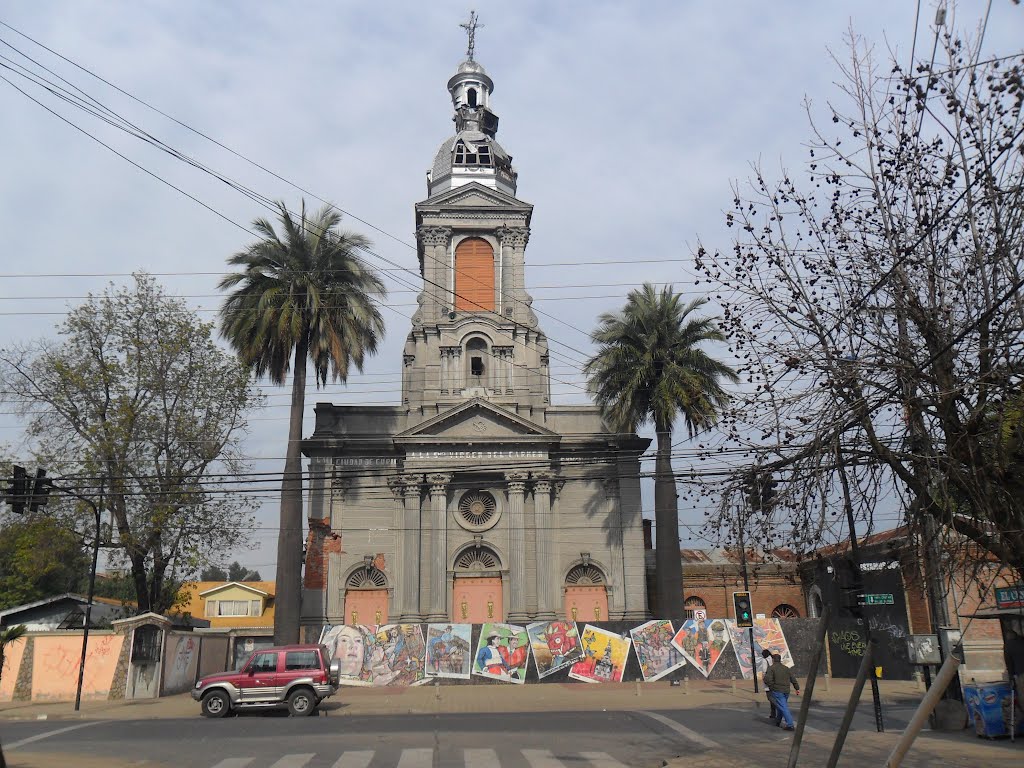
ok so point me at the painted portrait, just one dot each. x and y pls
(349, 644)
(449, 650)
(654, 650)
(604, 656)
(701, 642)
(502, 652)
(767, 634)
(555, 645)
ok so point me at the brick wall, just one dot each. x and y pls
(320, 543)
(715, 585)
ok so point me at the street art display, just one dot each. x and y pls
(702, 642)
(350, 644)
(654, 649)
(555, 645)
(449, 650)
(397, 655)
(501, 653)
(767, 634)
(604, 656)
(181, 657)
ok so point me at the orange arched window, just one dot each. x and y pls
(474, 276)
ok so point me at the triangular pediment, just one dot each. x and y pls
(477, 420)
(473, 195)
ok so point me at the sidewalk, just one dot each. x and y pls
(430, 699)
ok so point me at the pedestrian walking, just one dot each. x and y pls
(1013, 654)
(767, 656)
(779, 679)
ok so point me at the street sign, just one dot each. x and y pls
(877, 599)
(700, 614)
(1010, 597)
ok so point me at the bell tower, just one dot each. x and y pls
(474, 333)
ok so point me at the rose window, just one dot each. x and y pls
(478, 508)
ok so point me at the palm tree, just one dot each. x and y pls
(649, 368)
(9, 636)
(302, 296)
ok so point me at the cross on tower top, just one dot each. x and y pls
(471, 27)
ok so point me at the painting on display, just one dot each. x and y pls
(767, 634)
(349, 644)
(702, 642)
(449, 650)
(501, 653)
(604, 656)
(654, 649)
(392, 654)
(555, 645)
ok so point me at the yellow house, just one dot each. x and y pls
(231, 603)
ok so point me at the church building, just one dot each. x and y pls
(475, 498)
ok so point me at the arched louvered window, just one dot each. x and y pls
(785, 611)
(585, 575)
(474, 276)
(477, 559)
(367, 578)
(693, 602)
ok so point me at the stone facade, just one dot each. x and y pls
(474, 499)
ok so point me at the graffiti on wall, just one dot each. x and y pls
(56, 661)
(501, 653)
(767, 634)
(449, 650)
(180, 665)
(604, 656)
(654, 649)
(555, 645)
(702, 642)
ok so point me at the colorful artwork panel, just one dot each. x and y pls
(767, 634)
(654, 649)
(351, 645)
(449, 650)
(397, 656)
(502, 653)
(604, 656)
(555, 645)
(702, 642)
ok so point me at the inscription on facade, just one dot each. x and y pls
(365, 461)
(476, 455)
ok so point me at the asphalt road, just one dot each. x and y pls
(477, 740)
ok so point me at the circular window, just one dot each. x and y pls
(478, 510)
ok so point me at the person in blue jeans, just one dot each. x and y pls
(778, 679)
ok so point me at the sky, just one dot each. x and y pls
(627, 122)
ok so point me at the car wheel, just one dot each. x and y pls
(216, 704)
(301, 702)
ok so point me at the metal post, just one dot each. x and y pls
(88, 606)
(947, 672)
(851, 706)
(812, 675)
(746, 588)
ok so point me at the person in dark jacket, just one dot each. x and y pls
(1013, 655)
(767, 656)
(779, 678)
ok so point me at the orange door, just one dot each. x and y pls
(474, 276)
(366, 606)
(586, 604)
(476, 601)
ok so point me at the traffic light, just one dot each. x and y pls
(759, 488)
(40, 491)
(743, 609)
(17, 491)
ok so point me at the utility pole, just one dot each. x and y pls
(746, 588)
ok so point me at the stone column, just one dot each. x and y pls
(546, 562)
(438, 483)
(318, 508)
(617, 576)
(410, 608)
(517, 546)
(434, 242)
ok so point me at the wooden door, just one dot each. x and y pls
(586, 603)
(477, 600)
(366, 606)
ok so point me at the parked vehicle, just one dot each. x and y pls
(295, 676)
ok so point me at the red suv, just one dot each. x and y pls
(296, 676)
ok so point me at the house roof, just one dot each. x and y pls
(892, 536)
(248, 585)
(71, 596)
(730, 556)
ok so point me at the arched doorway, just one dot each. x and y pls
(366, 597)
(694, 603)
(586, 594)
(474, 275)
(477, 587)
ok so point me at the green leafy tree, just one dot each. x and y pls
(136, 408)
(649, 368)
(303, 296)
(235, 572)
(40, 557)
(9, 636)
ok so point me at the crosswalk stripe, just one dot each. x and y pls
(293, 761)
(682, 730)
(542, 758)
(354, 759)
(234, 762)
(601, 760)
(481, 758)
(416, 758)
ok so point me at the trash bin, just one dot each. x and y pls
(989, 708)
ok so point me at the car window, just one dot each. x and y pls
(301, 660)
(264, 662)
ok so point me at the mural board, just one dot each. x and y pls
(604, 656)
(654, 650)
(397, 655)
(449, 650)
(181, 657)
(350, 644)
(702, 642)
(767, 634)
(501, 653)
(555, 645)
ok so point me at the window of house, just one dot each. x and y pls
(232, 608)
(301, 660)
(264, 662)
(254, 609)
